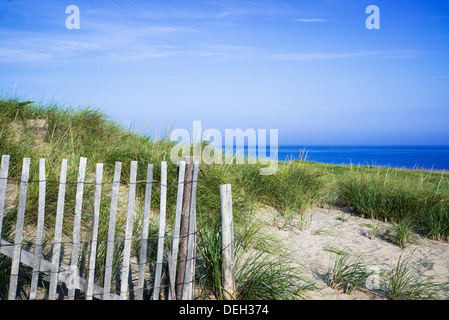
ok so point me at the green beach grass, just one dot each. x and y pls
(27, 129)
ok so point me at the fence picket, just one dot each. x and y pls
(111, 231)
(94, 232)
(69, 274)
(58, 232)
(27, 258)
(227, 236)
(129, 231)
(184, 229)
(187, 292)
(40, 230)
(176, 231)
(19, 229)
(3, 184)
(161, 237)
(144, 240)
(192, 273)
(76, 228)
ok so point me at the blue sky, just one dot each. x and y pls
(309, 68)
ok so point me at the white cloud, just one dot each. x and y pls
(227, 50)
(95, 41)
(384, 54)
(441, 76)
(311, 20)
(224, 14)
(321, 56)
(111, 42)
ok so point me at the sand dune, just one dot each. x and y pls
(339, 228)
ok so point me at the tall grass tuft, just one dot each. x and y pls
(291, 190)
(264, 268)
(346, 271)
(271, 276)
(402, 232)
(404, 282)
(386, 197)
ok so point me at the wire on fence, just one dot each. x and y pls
(62, 269)
(102, 183)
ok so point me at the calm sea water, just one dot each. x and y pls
(410, 157)
(422, 157)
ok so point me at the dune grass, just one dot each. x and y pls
(404, 282)
(69, 132)
(411, 200)
(72, 133)
(265, 269)
(346, 271)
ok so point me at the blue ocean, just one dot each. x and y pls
(410, 157)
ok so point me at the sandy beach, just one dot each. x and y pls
(339, 228)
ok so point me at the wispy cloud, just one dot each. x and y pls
(132, 44)
(320, 56)
(384, 54)
(224, 50)
(438, 17)
(312, 20)
(116, 40)
(441, 76)
(223, 14)
(97, 41)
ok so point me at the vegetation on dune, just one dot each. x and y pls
(412, 199)
(418, 200)
(404, 282)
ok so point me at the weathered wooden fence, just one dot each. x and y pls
(180, 259)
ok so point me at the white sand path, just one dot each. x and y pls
(341, 229)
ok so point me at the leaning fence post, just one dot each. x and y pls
(111, 232)
(3, 184)
(19, 230)
(189, 277)
(58, 232)
(94, 232)
(161, 237)
(227, 236)
(40, 230)
(188, 181)
(144, 240)
(177, 227)
(128, 231)
(76, 229)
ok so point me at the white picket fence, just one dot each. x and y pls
(69, 274)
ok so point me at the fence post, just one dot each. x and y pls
(227, 236)
(161, 237)
(94, 232)
(76, 229)
(129, 231)
(174, 254)
(19, 229)
(189, 276)
(184, 225)
(58, 232)
(144, 240)
(40, 230)
(3, 184)
(111, 232)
